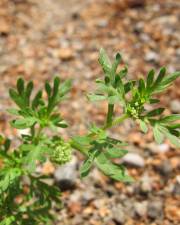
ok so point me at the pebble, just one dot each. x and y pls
(151, 56)
(165, 168)
(118, 214)
(175, 106)
(141, 208)
(66, 175)
(134, 159)
(146, 184)
(155, 209)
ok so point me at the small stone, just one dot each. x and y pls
(155, 209)
(165, 168)
(134, 159)
(102, 23)
(118, 214)
(151, 56)
(146, 184)
(175, 106)
(140, 208)
(66, 175)
(65, 54)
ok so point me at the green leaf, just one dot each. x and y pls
(143, 126)
(28, 92)
(158, 135)
(110, 169)
(141, 86)
(153, 101)
(10, 175)
(16, 98)
(65, 87)
(170, 118)
(115, 153)
(8, 220)
(48, 89)
(167, 81)
(96, 97)
(116, 62)
(123, 72)
(13, 111)
(160, 77)
(36, 100)
(105, 62)
(155, 112)
(85, 168)
(129, 85)
(150, 78)
(173, 139)
(24, 123)
(35, 153)
(20, 86)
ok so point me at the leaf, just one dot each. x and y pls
(48, 89)
(8, 220)
(110, 169)
(9, 177)
(167, 81)
(160, 77)
(65, 87)
(28, 92)
(24, 123)
(116, 62)
(158, 135)
(141, 86)
(36, 100)
(16, 98)
(173, 139)
(20, 86)
(96, 97)
(35, 153)
(85, 168)
(153, 101)
(150, 79)
(104, 61)
(123, 72)
(143, 126)
(170, 118)
(155, 112)
(115, 153)
(13, 111)
(129, 85)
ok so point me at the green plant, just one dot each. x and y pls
(25, 197)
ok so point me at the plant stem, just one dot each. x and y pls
(116, 121)
(109, 115)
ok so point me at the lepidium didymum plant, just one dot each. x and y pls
(25, 196)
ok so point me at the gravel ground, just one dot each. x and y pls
(39, 39)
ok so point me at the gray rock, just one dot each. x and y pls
(165, 168)
(146, 184)
(141, 208)
(118, 214)
(134, 159)
(66, 175)
(175, 106)
(151, 56)
(155, 209)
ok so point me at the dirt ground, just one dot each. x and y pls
(41, 39)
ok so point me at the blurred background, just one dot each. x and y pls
(41, 39)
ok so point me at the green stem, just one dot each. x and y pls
(109, 115)
(116, 121)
